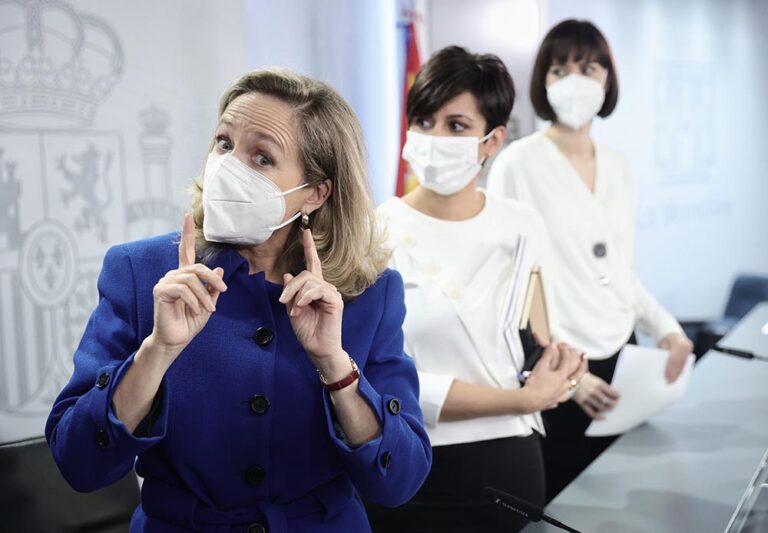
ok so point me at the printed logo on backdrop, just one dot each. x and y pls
(65, 193)
(685, 148)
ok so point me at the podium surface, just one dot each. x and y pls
(688, 467)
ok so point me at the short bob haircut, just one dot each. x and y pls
(330, 138)
(576, 40)
(452, 71)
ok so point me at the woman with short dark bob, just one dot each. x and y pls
(455, 246)
(585, 193)
(253, 365)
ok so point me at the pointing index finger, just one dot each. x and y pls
(311, 258)
(187, 244)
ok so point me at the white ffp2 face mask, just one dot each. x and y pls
(575, 99)
(444, 165)
(240, 205)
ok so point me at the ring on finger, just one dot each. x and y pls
(597, 405)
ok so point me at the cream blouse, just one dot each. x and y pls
(599, 296)
(457, 276)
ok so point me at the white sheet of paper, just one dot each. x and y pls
(639, 378)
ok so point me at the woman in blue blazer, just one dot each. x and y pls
(254, 366)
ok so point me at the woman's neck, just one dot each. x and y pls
(572, 142)
(264, 257)
(461, 205)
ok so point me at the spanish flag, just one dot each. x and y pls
(406, 181)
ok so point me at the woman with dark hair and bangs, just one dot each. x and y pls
(455, 247)
(585, 193)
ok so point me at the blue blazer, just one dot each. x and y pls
(242, 435)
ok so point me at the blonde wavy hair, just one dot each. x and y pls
(349, 243)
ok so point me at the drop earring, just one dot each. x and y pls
(304, 221)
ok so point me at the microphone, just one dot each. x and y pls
(739, 353)
(528, 510)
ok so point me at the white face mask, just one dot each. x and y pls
(575, 99)
(241, 206)
(444, 165)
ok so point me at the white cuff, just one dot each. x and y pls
(433, 392)
(664, 326)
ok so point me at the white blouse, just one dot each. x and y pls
(599, 296)
(457, 275)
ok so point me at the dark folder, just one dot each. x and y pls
(534, 318)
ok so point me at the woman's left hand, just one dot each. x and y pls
(315, 309)
(595, 396)
(679, 347)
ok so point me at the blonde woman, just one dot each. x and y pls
(261, 382)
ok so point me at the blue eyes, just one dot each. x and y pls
(262, 160)
(225, 145)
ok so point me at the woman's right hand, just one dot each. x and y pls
(185, 298)
(595, 396)
(554, 376)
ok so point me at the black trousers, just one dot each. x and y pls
(451, 499)
(567, 451)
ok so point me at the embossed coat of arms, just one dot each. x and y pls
(63, 193)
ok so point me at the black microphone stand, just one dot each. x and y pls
(526, 509)
(559, 524)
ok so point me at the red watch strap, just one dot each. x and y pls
(353, 376)
(347, 381)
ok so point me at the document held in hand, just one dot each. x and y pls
(534, 319)
(526, 308)
(639, 378)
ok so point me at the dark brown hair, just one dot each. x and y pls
(452, 71)
(576, 40)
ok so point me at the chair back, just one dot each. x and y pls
(35, 497)
(747, 291)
